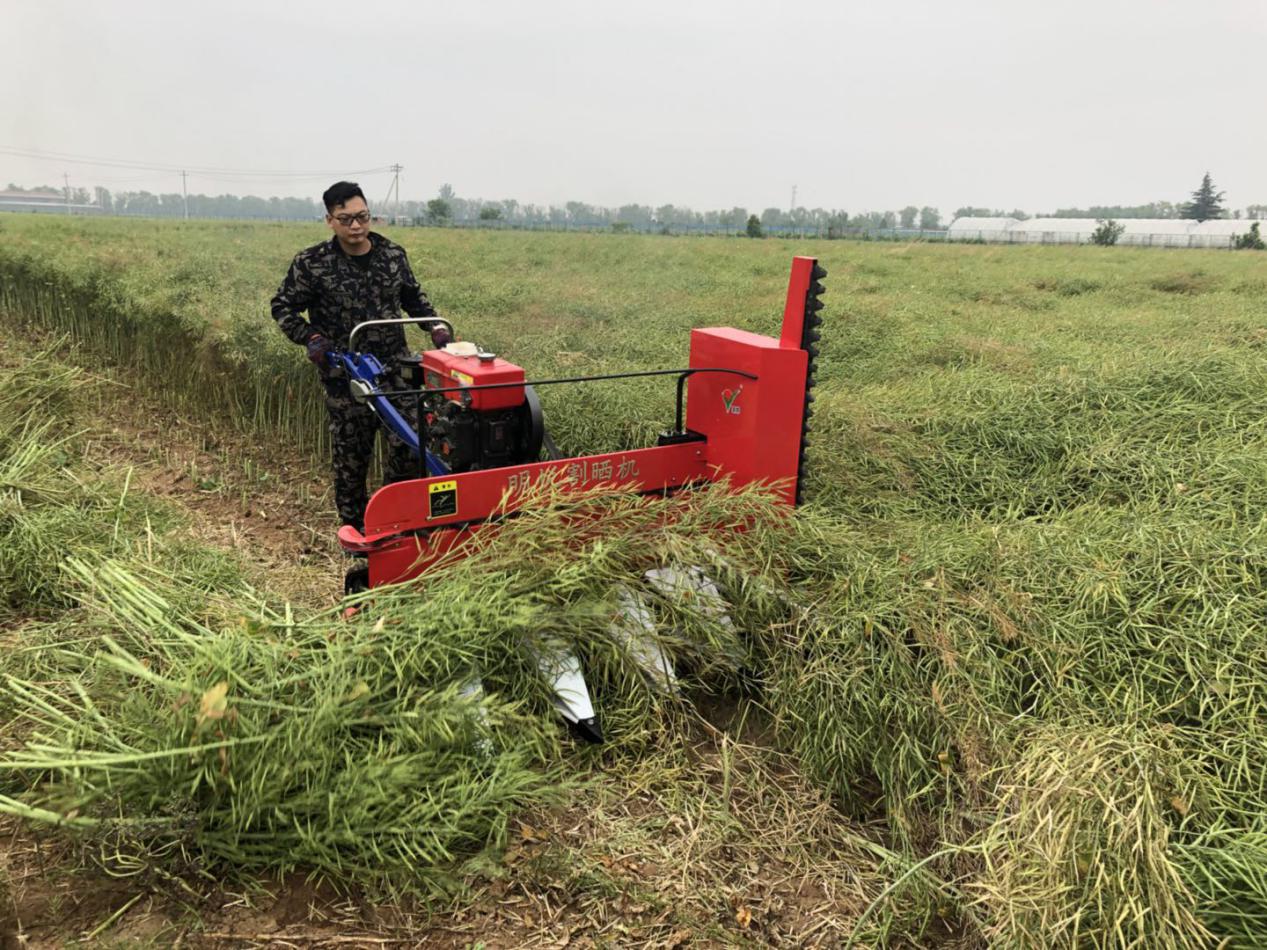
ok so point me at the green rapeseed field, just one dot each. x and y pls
(1016, 633)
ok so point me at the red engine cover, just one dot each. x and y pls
(444, 370)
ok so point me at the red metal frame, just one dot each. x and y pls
(751, 432)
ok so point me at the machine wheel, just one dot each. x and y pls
(356, 580)
(532, 427)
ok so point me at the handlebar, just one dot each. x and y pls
(402, 320)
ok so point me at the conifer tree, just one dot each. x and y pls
(1206, 204)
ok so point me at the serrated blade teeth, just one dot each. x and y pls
(810, 338)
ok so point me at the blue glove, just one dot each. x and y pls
(319, 349)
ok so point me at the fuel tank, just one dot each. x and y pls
(457, 365)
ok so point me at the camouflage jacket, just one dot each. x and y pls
(339, 293)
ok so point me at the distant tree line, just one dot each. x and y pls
(970, 212)
(1156, 209)
(1205, 204)
(172, 205)
(448, 208)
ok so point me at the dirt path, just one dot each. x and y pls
(271, 504)
(716, 845)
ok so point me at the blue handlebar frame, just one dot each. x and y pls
(366, 368)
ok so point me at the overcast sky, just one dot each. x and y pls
(861, 105)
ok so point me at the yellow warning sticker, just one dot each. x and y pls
(442, 499)
(463, 378)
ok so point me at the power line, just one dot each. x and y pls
(208, 170)
(202, 171)
(130, 179)
(306, 176)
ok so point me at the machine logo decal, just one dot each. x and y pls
(603, 469)
(729, 398)
(442, 499)
(585, 470)
(518, 482)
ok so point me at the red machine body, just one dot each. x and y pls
(443, 369)
(747, 402)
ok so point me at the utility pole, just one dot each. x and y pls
(66, 179)
(184, 190)
(395, 189)
(793, 207)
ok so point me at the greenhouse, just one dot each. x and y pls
(1148, 232)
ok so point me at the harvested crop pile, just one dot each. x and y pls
(152, 716)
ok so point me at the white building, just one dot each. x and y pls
(1147, 232)
(42, 201)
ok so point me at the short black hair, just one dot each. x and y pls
(340, 193)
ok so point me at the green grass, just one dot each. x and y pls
(1019, 621)
(187, 304)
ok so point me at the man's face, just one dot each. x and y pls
(350, 222)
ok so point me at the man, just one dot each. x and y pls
(355, 276)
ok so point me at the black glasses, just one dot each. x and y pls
(347, 219)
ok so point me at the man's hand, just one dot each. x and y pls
(319, 350)
(440, 336)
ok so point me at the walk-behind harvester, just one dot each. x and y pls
(743, 405)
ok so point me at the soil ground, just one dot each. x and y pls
(717, 844)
